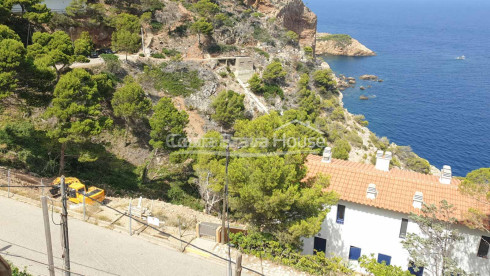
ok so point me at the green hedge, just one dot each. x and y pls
(263, 246)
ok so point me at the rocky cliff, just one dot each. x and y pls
(340, 45)
(293, 15)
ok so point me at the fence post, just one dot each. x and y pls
(238, 268)
(130, 217)
(8, 183)
(83, 201)
(42, 189)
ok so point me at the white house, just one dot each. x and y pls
(372, 215)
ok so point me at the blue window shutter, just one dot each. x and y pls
(384, 258)
(420, 271)
(354, 253)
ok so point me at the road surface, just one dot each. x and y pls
(94, 250)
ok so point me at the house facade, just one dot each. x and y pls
(372, 215)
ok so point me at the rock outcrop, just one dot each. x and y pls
(333, 47)
(294, 15)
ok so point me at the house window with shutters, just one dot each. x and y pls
(403, 228)
(340, 214)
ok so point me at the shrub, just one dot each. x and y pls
(178, 83)
(156, 26)
(157, 55)
(418, 164)
(255, 83)
(338, 114)
(341, 39)
(112, 63)
(262, 53)
(274, 73)
(229, 107)
(170, 52)
(264, 246)
(376, 269)
(324, 80)
(308, 51)
(341, 149)
(292, 37)
(360, 119)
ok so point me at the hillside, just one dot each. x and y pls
(205, 68)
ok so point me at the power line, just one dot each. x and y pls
(150, 226)
(169, 235)
(39, 262)
(40, 252)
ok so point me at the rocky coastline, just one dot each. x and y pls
(347, 47)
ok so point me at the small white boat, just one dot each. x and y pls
(461, 57)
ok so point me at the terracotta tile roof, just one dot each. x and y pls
(395, 188)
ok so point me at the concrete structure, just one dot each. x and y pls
(372, 216)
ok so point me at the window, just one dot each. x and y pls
(417, 271)
(384, 258)
(484, 246)
(354, 253)
(403, 228)
(340, 214)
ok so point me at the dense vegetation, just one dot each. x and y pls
(57, 119)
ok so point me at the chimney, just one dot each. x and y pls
(383, 160)
(446, 175)
(418, 199)
(371, 191)
(327, 155)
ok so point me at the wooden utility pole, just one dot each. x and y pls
(8, 183)
(47, 232)
(238, 268)
(64, 227)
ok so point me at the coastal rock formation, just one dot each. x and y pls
(294, 15)
(340, 45)
(369, 77)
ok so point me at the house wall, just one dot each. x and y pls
(377, 230)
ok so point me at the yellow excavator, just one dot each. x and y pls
(76, 191)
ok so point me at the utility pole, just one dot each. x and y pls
(238, 268)
(47, 232)
(64, 228)
(8, 183)
(225, 196)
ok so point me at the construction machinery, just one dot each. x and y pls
(76, 191)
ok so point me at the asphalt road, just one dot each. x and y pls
(94, 250)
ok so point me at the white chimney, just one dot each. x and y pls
(371, 191)
(327, 155)
(418, 199)
(446, 175)
(383, 160)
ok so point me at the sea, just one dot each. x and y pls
(430, 100)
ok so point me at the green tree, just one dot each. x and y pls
(167, 125)
(341, 149)
(206, 8)
(376, 269)
(324, 80)
(433, 249)
(229, 107)
(210, 171)
(77, 108)
(292, 37)
(130, 102)
(52, 50)
(304, 81)
(202, 27)
(310, 103)
(476, 184)
(274, 73)
(84, 45)
(7, 33)
(126, 37)
(255, 83)
(12, 55)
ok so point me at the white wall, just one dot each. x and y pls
(377, 231)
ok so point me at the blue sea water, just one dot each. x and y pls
(438, 105)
